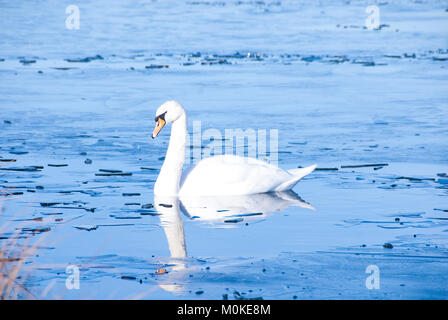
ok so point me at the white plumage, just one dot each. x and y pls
(233, 175)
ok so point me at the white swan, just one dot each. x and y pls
(219, 175)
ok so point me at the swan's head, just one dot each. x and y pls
(169, 111)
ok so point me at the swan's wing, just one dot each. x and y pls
(231, 175)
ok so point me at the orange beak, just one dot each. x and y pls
(159, 125)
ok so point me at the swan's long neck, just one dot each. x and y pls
(169, 177)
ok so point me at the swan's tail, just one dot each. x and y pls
(297, 175)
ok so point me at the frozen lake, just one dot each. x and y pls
(78, 165)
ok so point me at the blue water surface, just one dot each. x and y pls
(339, 94)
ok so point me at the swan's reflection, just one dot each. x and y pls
(213, 210)
(171, 221)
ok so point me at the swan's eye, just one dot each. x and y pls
(162, 116)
